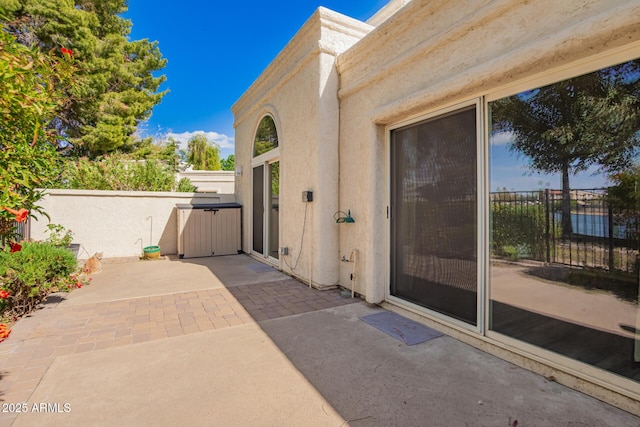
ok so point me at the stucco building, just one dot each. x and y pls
(365, 157)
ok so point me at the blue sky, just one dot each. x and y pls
(510, 170)
(215, 50)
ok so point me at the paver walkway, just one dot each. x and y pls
(231, 342)
(60, 329)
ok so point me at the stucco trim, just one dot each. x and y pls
(585, 35)
(560, 49)
(386, 12)
(282, 69)
(391, 30)
(147, 194)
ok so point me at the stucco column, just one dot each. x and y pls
(377, 246)
(326, 246)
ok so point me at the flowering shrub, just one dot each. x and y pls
(76, 281)
(27, 276)
(20, 215)
(4, 332)
(33, 87)
(7, 225)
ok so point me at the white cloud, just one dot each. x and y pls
(226, 143)
(501, 138)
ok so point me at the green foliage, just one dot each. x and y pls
(229, 163)
(185, 186)
(266, 136)
(518, 230)
(624, 198)
(515, 253)
(588, 120)
(119, 172)
(58, 235)
(624, 194)
(202, 154)
(569, 126)
(165, 151)
(30, 274)
(150, 176)
(114, 87)
(31, 85)
(275, 178)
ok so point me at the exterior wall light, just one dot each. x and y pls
(346, 217)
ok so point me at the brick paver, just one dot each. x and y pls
(60, 329)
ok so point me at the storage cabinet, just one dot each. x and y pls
(209, 230)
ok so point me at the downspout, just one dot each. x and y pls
(340, 167)
(353, 255)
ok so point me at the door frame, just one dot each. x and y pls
(265, 160)
(481, 217)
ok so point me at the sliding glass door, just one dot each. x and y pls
(434, 214)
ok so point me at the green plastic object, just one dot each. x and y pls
(152, 252)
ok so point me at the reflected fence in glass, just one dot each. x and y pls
(527, 225)
(564, 261)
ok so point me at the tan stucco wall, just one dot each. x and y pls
(222, 182)
(112, 222)
(339, 84)
(432, 54)
(299, 89)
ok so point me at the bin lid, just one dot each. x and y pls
(209, 206)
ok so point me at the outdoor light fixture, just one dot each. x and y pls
(345, 218)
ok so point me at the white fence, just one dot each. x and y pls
(118, 223)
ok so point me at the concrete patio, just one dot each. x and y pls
(228, 341)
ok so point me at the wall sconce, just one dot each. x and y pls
(346, 217)
(239, 171)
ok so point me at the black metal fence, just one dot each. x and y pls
(529, 225)
(22, 232)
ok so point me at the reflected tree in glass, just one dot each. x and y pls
(572, 125)
(266, 136)
(581, 300)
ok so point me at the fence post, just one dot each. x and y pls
(547, 231)
(610, 230)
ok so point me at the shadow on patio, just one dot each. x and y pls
(230, 341)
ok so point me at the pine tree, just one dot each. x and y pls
(114, 88)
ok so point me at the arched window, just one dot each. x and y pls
(266, 136)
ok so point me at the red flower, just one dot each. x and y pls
(66, 51)
(4, 294)
(20, 215)
(15, 247)
(4, 332)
